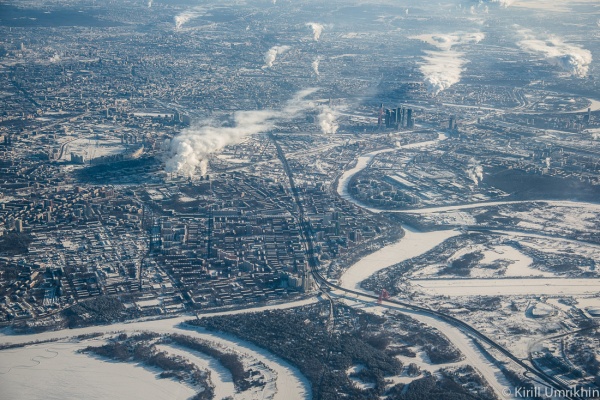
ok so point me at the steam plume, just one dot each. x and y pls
(190, 149)
(475, 172)
(568, 57)
(315, 65)
(186, 16)
(317, 30)
(327, 120)
(271, 55)
(443, 68)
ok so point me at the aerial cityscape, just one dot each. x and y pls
(296, 199)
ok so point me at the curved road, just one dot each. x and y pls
(342, 189)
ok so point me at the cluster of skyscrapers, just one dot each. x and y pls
(395, 118)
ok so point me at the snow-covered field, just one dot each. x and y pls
(592, 207)
(464, 343)
(507, 287)
(92, 148)
(232, 159)
(517, 263)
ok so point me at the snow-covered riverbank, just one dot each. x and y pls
(20, 368)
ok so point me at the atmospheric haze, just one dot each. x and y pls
(190, 149)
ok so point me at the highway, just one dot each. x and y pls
(324, 284)
(463, 326)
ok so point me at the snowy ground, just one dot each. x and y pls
(464, 343)
(591, 207)
(220, 376)
(92, 148)
(57, 371)
(507, 287)
(232, 159)
(285, 382)
(519, 265)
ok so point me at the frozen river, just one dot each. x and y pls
(56, 371)
(415, 243)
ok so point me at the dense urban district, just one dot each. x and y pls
(282, 199)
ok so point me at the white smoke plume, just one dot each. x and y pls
(186, 16)
(444, 68)
(55, 58)
(569, 57)
(317, 29)
(149, 3)
(475, 172)
(271, 55)
(547, 162)
(188, 152)
(315, 65)
(328, 120)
